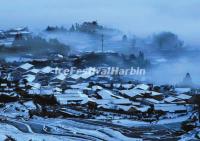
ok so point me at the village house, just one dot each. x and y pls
(172, 99)
(71, 96)
(132, 93)
(25, 67)
(172, 108)
(17, 31)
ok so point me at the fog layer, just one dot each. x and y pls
(141, 17)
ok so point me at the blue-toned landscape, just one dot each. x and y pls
(86, 70)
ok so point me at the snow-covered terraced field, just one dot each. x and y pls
(81, 130)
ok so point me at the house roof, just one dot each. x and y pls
(57, 89)
(170, 99)
(132, 92)
(46, 91)
(143, 108)
(60, 56)
(88, 73)
(30, 78)
(96, 87)
(123, 107)
(152, 100)
(74, 76)
(66, 98)
(117, 85)
(26, 66)
(73, 91)
(85, 74)
(46, 69)
(184, 96)
(182, 90)
(29, 105)
(121, 101)
(35, 85)
(142, 87)
(106, 94)
(34, 70)
(153, 93)
(79, 86)
(60, 77)
(169, 107)
(127, 86)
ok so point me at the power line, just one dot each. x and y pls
(102, 42)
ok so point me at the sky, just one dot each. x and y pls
(140, 17)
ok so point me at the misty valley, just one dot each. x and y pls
(36, 103)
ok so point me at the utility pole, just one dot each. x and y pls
(102, 41)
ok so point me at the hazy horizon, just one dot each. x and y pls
(137, 17)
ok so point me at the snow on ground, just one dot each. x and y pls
(8, 130)
(174, 120)
(132, 123)
(119, 136)
(79, 128)
(129, 123)
(14, 110)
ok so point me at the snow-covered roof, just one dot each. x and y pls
(17, 32)
(24, 32)
(75, 76)
(182, 90)
(153, 93)
(170, 99)
(29, 105)
(45, 91)
(121, 101)
(26, 66)
(142, 87)
(19, 29)
(132, 92)
(46, 69)
(106, 94)
(96, 87)
(34, 70)
(107, 106)
(144, 108)
(80, 86)
(152, 100)
(85, 74)
(123, 107)
(88, 73)
(30, 78)
(60, 77)
(57, 89)
(35, 85)
(117, 85)
(73, 91)
(68, 98)
(60, 56)
(102, 101)
(127, 86)
(4, 84)
(136, 103)
(169, 107)
(184, 96)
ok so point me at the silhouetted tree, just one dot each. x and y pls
(72, 29)
(168, 41)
